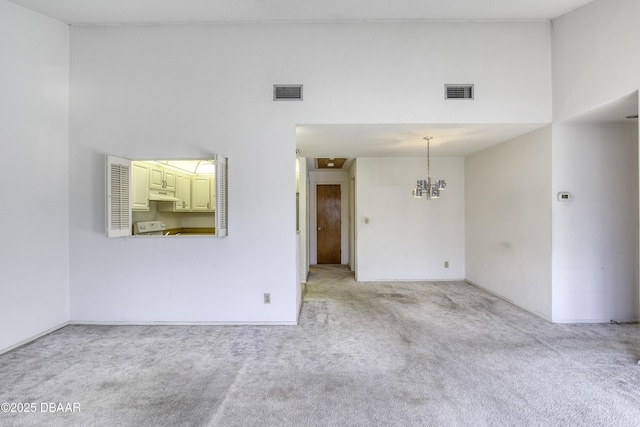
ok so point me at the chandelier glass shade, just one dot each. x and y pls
(425, 187)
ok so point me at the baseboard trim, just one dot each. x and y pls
(178, 323)
(33, 338)
(410, 280)
(596, 321)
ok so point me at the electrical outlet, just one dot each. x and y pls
(446, 264)
(267, 298)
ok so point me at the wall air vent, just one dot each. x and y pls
(287, 92)
(458, 91)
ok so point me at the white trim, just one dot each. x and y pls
(33, 338)
(419, 280)
(593, 321)
(179, 323)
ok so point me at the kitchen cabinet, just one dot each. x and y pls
(202, 197)
(183, 192)
(167, 190)
(140, 186)
(161, 178)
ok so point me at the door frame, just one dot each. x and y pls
(329, 178)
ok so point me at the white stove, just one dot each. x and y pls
(149, 228)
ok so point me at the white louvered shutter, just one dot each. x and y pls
(221, 196)
(118, 197)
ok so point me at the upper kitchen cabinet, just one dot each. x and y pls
(161, 178)
(203, 193)
(140, 186)
(182, 194)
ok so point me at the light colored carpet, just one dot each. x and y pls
(364, 354)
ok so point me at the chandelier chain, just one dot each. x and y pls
(428, 158)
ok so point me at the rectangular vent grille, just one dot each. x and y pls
(287, 92)
(458, 91)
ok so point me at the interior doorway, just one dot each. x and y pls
(329, 224)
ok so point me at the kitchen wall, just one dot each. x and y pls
(508, 220)
(595, 234)
(34, 254)
(403, 238)
(191, 90)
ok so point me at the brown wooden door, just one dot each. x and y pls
(328, 218)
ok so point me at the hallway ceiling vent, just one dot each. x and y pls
(287, 92)
(330, 162)
(458, 91)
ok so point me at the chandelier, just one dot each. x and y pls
(424, 187)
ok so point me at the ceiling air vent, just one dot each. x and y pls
(287, 92)
(458, 91)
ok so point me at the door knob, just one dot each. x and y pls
(319, 228)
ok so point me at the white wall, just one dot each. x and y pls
(34, 254)
(595, 235)
(596, 55)
(189, 90)
(508, 220)
(596, 59)
(407, 238)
